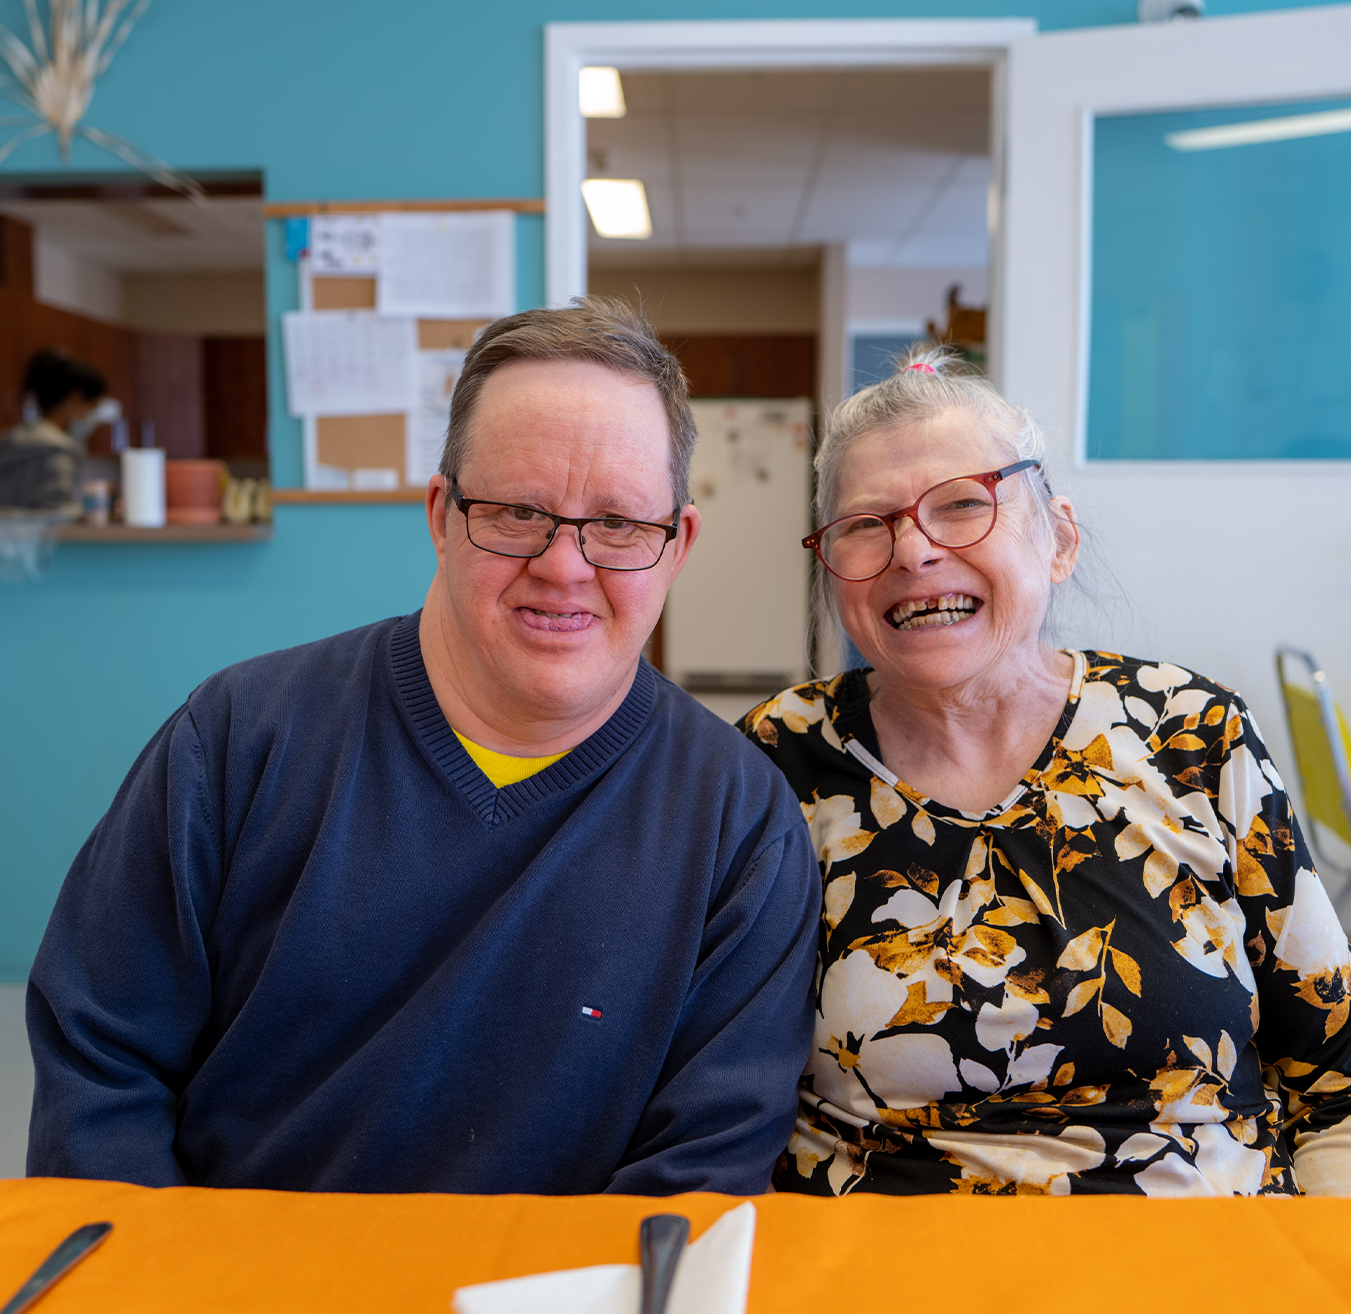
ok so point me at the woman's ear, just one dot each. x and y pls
(1065, 537)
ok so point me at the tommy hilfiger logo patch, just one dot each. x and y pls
(593, 1013)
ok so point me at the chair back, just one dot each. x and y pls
(1322, 744)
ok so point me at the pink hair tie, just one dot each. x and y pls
(920, 365)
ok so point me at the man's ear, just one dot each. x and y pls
(690, 524)
(437, 504)
(1065, 536)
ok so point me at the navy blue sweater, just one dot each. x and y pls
(312, 947)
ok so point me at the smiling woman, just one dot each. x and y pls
(1061, 888)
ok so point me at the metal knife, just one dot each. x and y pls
(69, 1253)
(660, 1240)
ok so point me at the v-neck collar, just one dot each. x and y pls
(492, 805)
(851, 717)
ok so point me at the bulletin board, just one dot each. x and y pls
(362, 443)
(385, 452)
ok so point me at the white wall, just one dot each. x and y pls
(887, 295)
(71, 282)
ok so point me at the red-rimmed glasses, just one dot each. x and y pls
(958, 513)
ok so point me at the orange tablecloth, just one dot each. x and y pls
(263, 1250)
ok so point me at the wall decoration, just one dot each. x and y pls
(53, 77)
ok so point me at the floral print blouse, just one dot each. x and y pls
(1125, 977)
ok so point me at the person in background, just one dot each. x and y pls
(41, 459)
(1072, 939)
(469, 900)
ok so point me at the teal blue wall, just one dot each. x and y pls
(328, 98)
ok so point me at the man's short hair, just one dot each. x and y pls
(602, 330)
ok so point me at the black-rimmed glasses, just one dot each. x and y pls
(958, 513)
(508, 529)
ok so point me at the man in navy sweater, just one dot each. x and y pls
(471, 900)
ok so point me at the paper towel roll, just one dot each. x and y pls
(143, 486)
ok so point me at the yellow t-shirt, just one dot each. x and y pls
(503, 769)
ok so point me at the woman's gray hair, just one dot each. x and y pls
(929, 381)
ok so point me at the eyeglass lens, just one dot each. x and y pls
(955, 514)
(517, 531)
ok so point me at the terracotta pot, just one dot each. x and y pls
(192, 491)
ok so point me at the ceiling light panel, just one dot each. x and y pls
(1255, 131)
(600, 93)
(618, 207)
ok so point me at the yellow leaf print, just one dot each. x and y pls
(1064, 1075)
(907, 952)
(1085, 1095)
(1328, 1084)
(917, 1010)
(834, 829)
(844, 1053)
(1160, 872)
(1072, 773)
(1081, 995)
(1250, 876)
(1027, 985)
(1131, 842)
(1328, 990)
(1038, 896)
(1199, 1048)
(923, 827)
(1128, 970)
(796, 712)
(1082, 953)
(887, 805)
(838, 898)
(1013, 912)
(1117, 1026)
(1187, 743)
(1226, 1056)
(1099, 753)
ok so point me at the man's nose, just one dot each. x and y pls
(562, 561)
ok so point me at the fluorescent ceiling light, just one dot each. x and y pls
(618, 207)
(1260, 130)
(600, 93)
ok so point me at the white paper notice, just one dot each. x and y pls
(425, 434)
(448, 266)
(349, 362)
(344, 244)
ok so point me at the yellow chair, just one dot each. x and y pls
(1322, 751)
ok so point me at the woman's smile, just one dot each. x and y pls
(922, 613)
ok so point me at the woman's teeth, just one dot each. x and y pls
(945, 610)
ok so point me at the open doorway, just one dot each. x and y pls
(163, 295)
(807, 225)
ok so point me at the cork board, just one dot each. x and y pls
(343, 293)
(361, 442)
(376, 442)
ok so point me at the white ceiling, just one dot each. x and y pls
(894, 163)
(159, 235)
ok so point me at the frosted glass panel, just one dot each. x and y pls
(1221, 311)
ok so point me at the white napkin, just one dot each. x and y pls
(712, 1277)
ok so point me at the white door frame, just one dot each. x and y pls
(737, 44)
